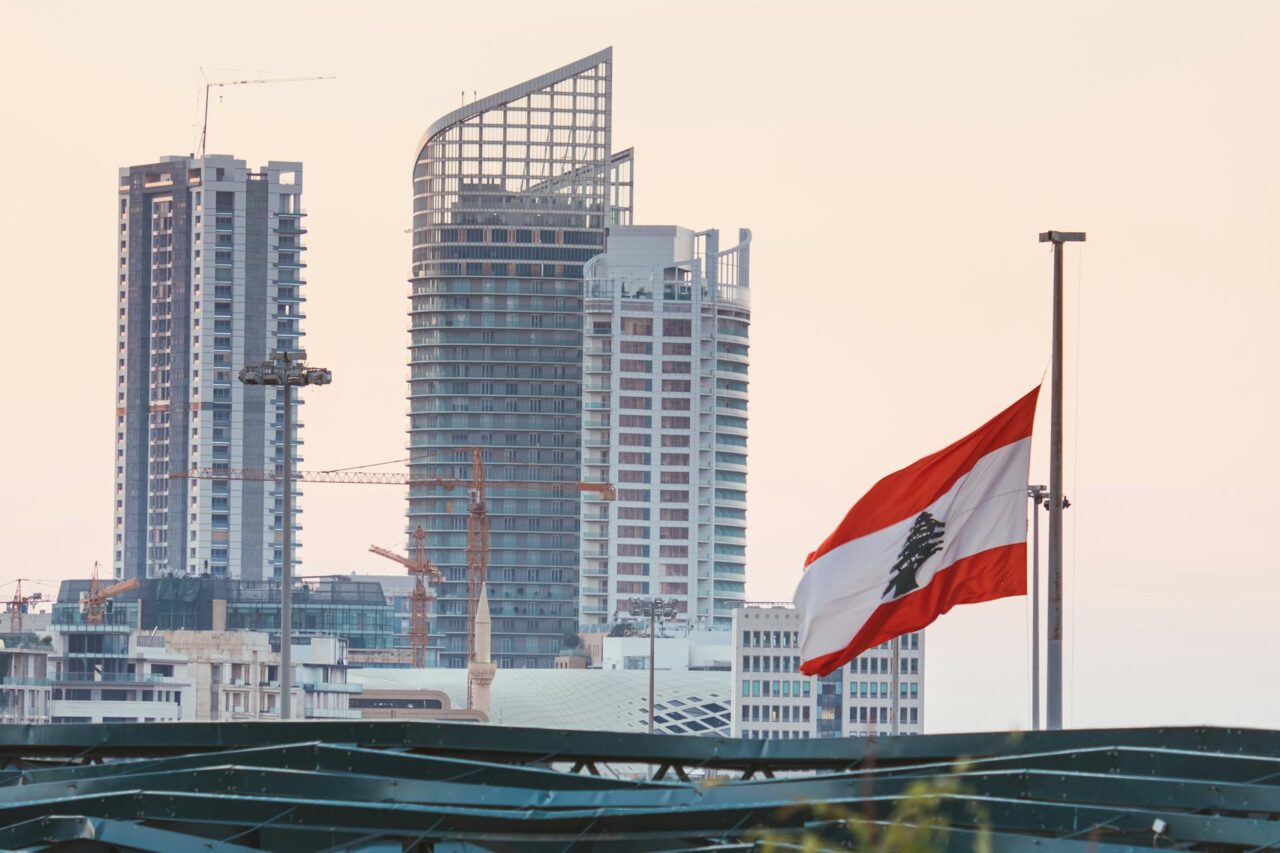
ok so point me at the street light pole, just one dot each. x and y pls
(655, 609)
(652, 643)
(286, 571)
(1053, 710)
(285, 370)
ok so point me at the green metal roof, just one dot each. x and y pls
(366, 785)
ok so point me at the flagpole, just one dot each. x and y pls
(1053, 692)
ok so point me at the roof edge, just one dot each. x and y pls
(510, 94)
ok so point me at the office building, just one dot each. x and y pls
(880, 692)
(512, 194)
(667, 313)
(209, 280)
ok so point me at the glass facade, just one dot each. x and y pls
(354, 610)
(513, 194)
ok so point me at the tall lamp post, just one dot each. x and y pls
(654, 609)
(286, 369)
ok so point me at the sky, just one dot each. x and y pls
(895, 161)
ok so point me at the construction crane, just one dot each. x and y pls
(423, 571)
(477, 515)
(94, 604)
(19, 605)
(210, 84)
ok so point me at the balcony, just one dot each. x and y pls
(332, 687)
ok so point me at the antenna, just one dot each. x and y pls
(210, 84)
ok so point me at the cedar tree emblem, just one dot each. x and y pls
(924, 540)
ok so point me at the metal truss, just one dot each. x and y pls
(322, 785)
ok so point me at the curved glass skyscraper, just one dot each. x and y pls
(513, 194)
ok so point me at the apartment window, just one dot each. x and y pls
(637, 326)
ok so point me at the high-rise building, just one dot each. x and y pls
(880, 692)
(513, 194)
(667, 314)
(209, 280)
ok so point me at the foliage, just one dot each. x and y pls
(918, 822)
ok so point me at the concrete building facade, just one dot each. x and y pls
(881, 692)
(513, 194)
(209, 280)
(25, 688)
(667, 315)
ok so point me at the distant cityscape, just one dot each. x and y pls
(589, 373)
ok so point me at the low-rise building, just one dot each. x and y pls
(880, 692)
(25, 688)
(109, 672)
(688, 702)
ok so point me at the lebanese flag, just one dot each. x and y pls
(950, 529)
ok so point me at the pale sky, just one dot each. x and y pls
(895, 161)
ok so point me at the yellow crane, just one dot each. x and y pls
(94, 604)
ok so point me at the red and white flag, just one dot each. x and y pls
(950, 529)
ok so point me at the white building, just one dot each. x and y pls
(665, 420)
(687, 702)
(673, 650)
(112, 674)
(235, 675)
(24, 678)
(881, 692)
(209, 279)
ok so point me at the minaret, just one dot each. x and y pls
(480, 671)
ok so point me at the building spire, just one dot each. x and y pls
(484, 626)
(481, 670)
